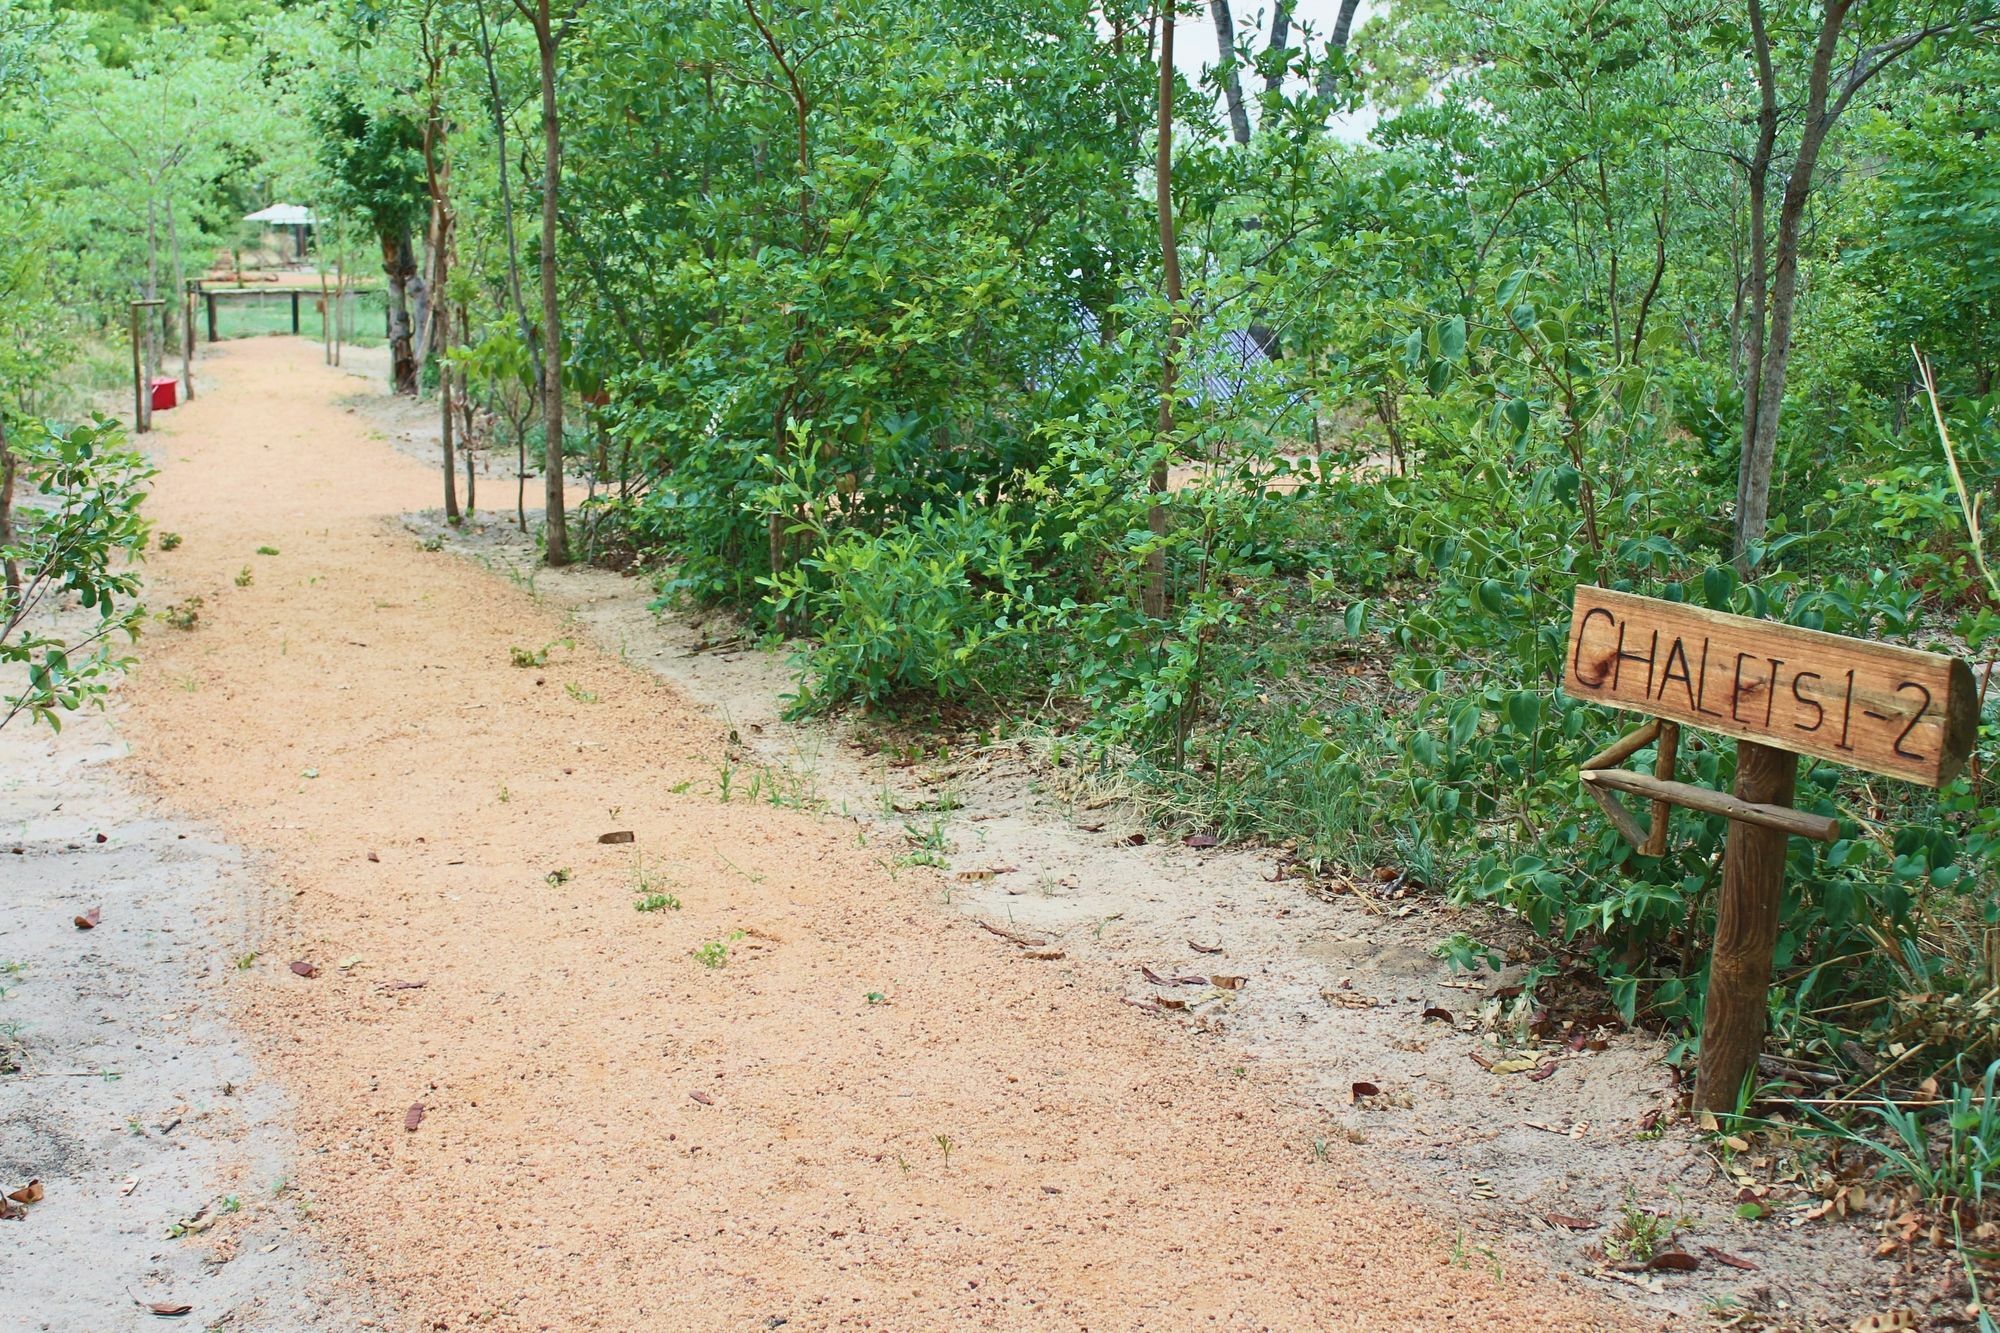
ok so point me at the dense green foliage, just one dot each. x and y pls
(863, 308)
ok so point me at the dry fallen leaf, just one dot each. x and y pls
(1166, 1003)
(28, 1193)
(1886, 1321)
(702, 1097)
(623, 835)
(413, 1117)
(306, 969)
(373, 857)
(168, 1309)
(1546, 1068)
(1569, 1223)
(1200, 840)
(11, 1212)
(1443, 1015)
(1729, 1260)
(1676, 1261)
(1226, 983)
(1363, 1088)
(1204, 948)
(89, 920)
(1515, 1064)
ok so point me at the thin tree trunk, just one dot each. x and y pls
(1170, 279)
(1774, 278)
(507, 224)
(437, 178)
(555, 528)
(399, 265)
(7, 470)
(1336, 42)
(1227, 70)
(1278, 56)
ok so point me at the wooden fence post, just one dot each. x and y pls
(211, 315)
(187, 342)
(1746, 932)
(141, 421)
(295, 314)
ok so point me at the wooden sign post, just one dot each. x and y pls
(1780, 692)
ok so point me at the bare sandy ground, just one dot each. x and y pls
(164, 1155)
(522, 1103)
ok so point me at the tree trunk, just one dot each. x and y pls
(13, 566)
(1336, 42)
(555, 530)
(1227, 70)
(399, 265)
(507, 225)
(1170, 281)
(437, 180)
(1774, 275)
(1278, 55)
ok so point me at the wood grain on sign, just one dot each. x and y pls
(1876, 706)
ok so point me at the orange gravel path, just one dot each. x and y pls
(614, 1136)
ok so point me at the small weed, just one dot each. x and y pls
(578, 693)
(505, 795)
(246, 962)
(1640, 1232)
(521, 657)
(657, 902)
(433, 543)
(558, 877)
(183, 614)
(876, 997)
(245, 577)
(230, 1204)
(715, 953)
(170, 541)
(134, 1128)
(267, 550)
(945, 1145)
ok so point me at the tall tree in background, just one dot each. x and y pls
(374, 161)
(1227, 70)
(1170, 286)
(1336, 45)
(442, 229)
(1843, 51)
(548, 43)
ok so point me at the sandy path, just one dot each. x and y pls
(614, 1135)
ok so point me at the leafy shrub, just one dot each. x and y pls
(935, 604)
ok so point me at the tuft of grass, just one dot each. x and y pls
(267, 550)
(245, 577)
(183, 614)
(657, 902)
(170, 541)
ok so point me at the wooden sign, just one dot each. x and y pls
(1875, 706)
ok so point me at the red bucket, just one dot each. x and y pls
(166, 392)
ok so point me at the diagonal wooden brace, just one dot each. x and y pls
(1651, 838)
